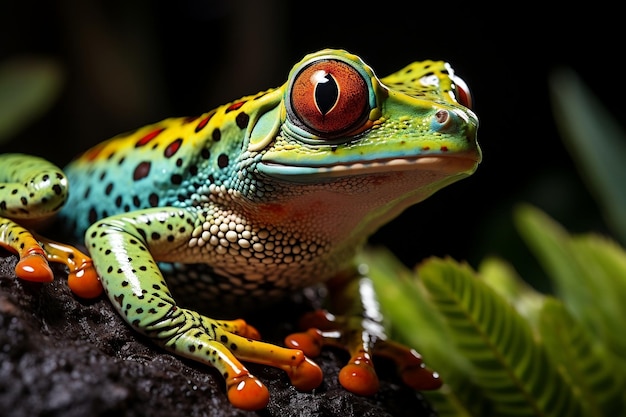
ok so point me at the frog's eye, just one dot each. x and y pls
(329, 97)
(463, 95)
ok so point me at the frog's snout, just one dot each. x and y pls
(464, 126)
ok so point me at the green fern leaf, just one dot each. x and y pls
(513, 369)
(596, 142)
(588, 366)
(502, 277)
(585, 270)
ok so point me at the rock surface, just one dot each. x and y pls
(61, 356)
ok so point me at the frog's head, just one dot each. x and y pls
(337, 118)
(336, 121)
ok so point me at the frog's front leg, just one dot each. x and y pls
(125, 250)
(357, 327)
(32, 190)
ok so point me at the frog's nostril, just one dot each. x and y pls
(442, 116)
(444, 121)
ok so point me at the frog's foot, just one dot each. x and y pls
(242, 339)
(82, 277)
(32, 265)
(360, 338)
(36, 251)
(247, 392)
(214, 342)
(243, 389)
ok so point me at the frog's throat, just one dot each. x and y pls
(463, 163)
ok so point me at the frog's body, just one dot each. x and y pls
(256, 199)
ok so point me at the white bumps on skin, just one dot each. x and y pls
(227, 231)
(237, 246)
(224, 231)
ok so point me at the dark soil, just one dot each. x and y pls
(62, 356)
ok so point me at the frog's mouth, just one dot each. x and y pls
(451, 164)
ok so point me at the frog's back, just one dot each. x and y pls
(163, 164)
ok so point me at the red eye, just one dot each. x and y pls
(329, 97)
(463, 95)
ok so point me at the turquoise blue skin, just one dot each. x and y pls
(264, 196)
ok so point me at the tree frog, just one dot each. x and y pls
(248, 203)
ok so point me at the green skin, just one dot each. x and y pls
(254, 200)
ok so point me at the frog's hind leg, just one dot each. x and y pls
(31, 191)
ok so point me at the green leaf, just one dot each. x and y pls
(501, 276)
(588, 272)
(28, 87)
(512, 368)
(595, 141)
(589, 368)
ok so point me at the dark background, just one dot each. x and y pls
(126, 64)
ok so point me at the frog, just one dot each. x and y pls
(248, 203)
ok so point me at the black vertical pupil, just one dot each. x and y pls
(326, 94)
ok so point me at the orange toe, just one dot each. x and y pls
(306, 376)
(359, 378)
(248, 393)
(84, 282)
(310, 342)
(34, 267)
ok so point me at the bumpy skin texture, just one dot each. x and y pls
(252, 201)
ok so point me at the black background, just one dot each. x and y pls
(127, 64)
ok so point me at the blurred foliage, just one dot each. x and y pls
(29, 86)
(596, 142)
(502, 347)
